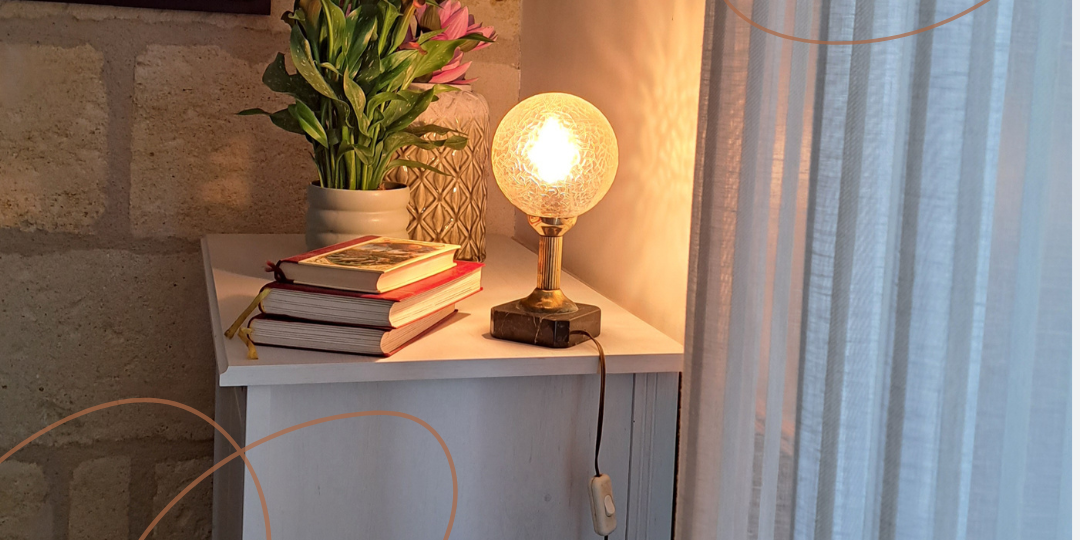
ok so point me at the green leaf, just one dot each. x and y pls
(398, 108)
(329, 66)
(372, 70)
(439, 53)
(282, 119)
(424, 129)
(402, 27)
(365, 29)
(410, 163)
(390, 15)
(278, 79)
(423, 38)
(397, 58)
(336, 28)
(355, 95)
(417, 109)
(393, 78)
(402, 138)
(444, 88)
(311, 9)
(361, 153)
(457, 142)
(364, 157)
(305, 65)
(285, 120)
(309, 122)
(474, 40)
(381, 98)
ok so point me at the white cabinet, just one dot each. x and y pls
(519, 421)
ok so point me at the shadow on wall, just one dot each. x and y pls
(640, 64)
(196, 167)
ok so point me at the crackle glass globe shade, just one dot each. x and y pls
(554, 155)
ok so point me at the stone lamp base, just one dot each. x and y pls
(510, 321)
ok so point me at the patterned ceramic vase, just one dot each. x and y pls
(451, 208)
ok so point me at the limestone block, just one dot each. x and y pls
(99, 499)
(82, 328)
(191, 517)
(505, 16)
(53, 124)
(197, 167)
(23, 508)
(83, 12)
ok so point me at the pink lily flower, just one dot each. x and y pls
(455, 22)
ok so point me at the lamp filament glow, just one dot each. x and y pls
(553, 151)
(554, 155)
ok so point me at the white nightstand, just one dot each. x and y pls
(519, 420)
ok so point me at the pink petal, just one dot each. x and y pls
(447, 75)
(452, 8)
(455, 23)
(453, 63)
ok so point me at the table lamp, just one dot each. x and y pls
(554, 156)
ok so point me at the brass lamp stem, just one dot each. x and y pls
(550, 264)
(548, 297)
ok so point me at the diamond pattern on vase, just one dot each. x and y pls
(451, 208)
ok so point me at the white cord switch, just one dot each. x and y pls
(603, 505)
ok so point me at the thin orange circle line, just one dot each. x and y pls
(323, 420)
(853, 42)
(58, 423)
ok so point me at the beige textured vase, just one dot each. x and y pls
(451, 208)
(338, 215)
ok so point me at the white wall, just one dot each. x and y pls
(639, 61)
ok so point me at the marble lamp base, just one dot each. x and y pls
(511, 322)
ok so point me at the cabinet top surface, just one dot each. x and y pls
(460, 347)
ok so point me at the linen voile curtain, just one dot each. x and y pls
(878, 326)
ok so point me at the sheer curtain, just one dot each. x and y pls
(878, 328)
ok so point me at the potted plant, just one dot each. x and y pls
(450, 208)
(354, 103)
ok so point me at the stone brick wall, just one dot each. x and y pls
(118, 150)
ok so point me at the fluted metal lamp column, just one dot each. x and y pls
(554, 156)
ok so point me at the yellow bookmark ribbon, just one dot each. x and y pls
(245, 333)
(247, 311)
(245, 336)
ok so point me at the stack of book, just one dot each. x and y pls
(372, 295)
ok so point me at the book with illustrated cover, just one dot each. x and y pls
(370, 264)
(393, 309)
(285, 332)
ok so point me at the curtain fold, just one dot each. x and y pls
(879, 316)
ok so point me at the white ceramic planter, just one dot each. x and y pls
(337, 215)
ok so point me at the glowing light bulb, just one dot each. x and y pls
(554, 155)
(553, 151)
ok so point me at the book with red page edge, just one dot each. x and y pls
(460, 271)
(401, 293)
(435, 326)
(389, 264)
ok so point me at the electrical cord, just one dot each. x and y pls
(600, 410)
